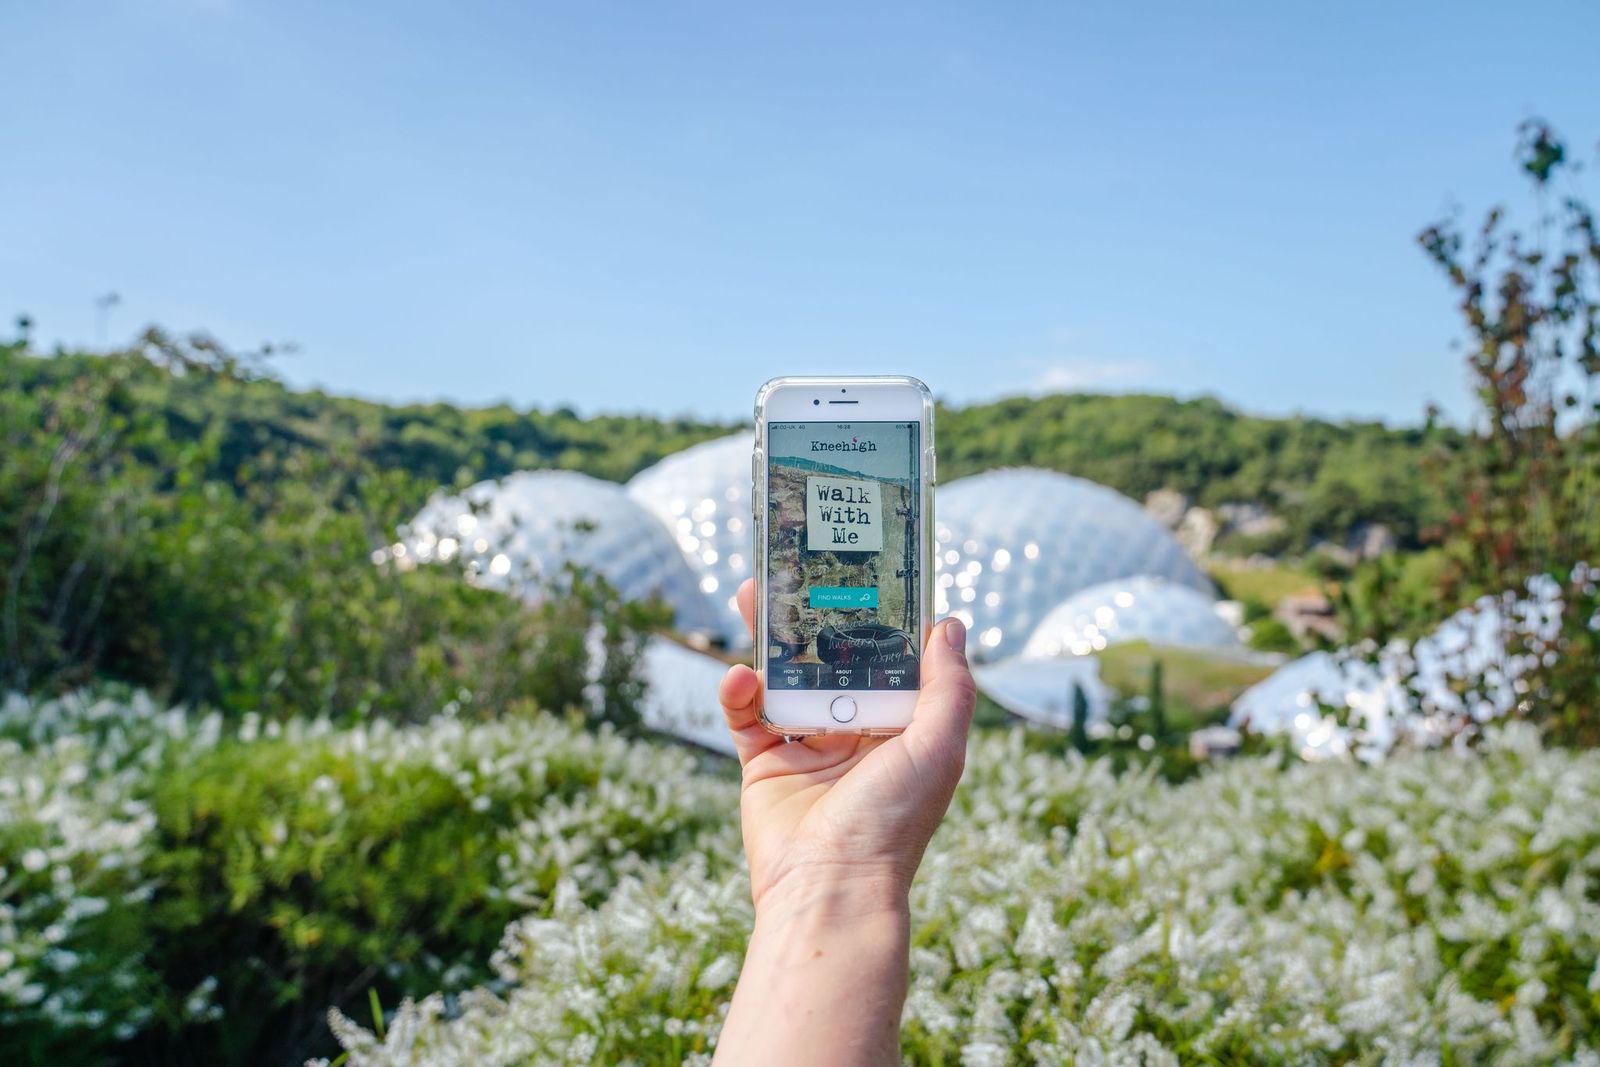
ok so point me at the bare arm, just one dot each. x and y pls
(824, 980)
(834, 828)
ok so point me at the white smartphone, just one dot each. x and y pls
(843, 494)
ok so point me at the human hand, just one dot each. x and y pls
(842, 812)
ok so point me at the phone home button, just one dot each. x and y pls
(843, 709)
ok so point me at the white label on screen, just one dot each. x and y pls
(843, 515)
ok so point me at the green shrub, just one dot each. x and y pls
(223, 885)
(292, 876)
(1394, 596)
(1270, 635)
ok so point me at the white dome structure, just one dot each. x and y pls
(680, 696)
(1466, 669)
(702, 496)
(1131, 609)
(1293, 700)
(520, 531)
(1012, 544)
(1043, 690)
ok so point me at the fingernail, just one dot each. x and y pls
(956, 634)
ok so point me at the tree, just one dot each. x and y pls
(1158, 702)
(1080, 719)
(1530, 300)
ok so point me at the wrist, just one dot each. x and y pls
(834, 894)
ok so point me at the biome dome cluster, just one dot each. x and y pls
(1042, 567)
(1012, 546)
(1045, 569)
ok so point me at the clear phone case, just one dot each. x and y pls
(927, 473)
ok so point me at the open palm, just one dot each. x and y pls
(850, 806)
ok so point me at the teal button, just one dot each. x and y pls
(844, 596)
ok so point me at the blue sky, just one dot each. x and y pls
(656, 206)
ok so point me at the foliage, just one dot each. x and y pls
(265, 591)
(1079, 731)
(1394, 596)
(1325, 479)
(193, 387)
(173, 888)
(1530, 300)
(1437, 908)
(70, 503)
(1269, 635)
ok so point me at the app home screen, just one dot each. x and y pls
(843, 522)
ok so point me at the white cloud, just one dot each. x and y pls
(1079, 373)
(1064, 359)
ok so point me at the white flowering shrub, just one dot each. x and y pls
(172, 887)
(73, 844)
(1437, 908)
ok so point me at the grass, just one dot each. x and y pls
(1191, 679)
(1269, 585)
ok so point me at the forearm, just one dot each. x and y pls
(824, 979)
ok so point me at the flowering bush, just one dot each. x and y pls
(1439, 907)
(174, 886)
(174, 883)
(72, 887)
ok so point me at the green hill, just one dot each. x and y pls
(1326, 479)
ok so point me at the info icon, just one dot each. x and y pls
(842, 678)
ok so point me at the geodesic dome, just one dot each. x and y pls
(702, 496)
(1131, 609)
(522, 530)
(1012, 544)
(1292, 700)
(1466, 668)
(680, 695)
(1042, 690)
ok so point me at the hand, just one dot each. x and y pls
(826, 813)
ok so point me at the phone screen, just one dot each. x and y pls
(844, 519)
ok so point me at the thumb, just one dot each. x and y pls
(937, 736)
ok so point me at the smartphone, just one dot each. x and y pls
(843, 495)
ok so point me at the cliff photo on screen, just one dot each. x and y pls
(842, 514)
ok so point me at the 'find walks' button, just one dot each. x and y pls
(843, 596)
